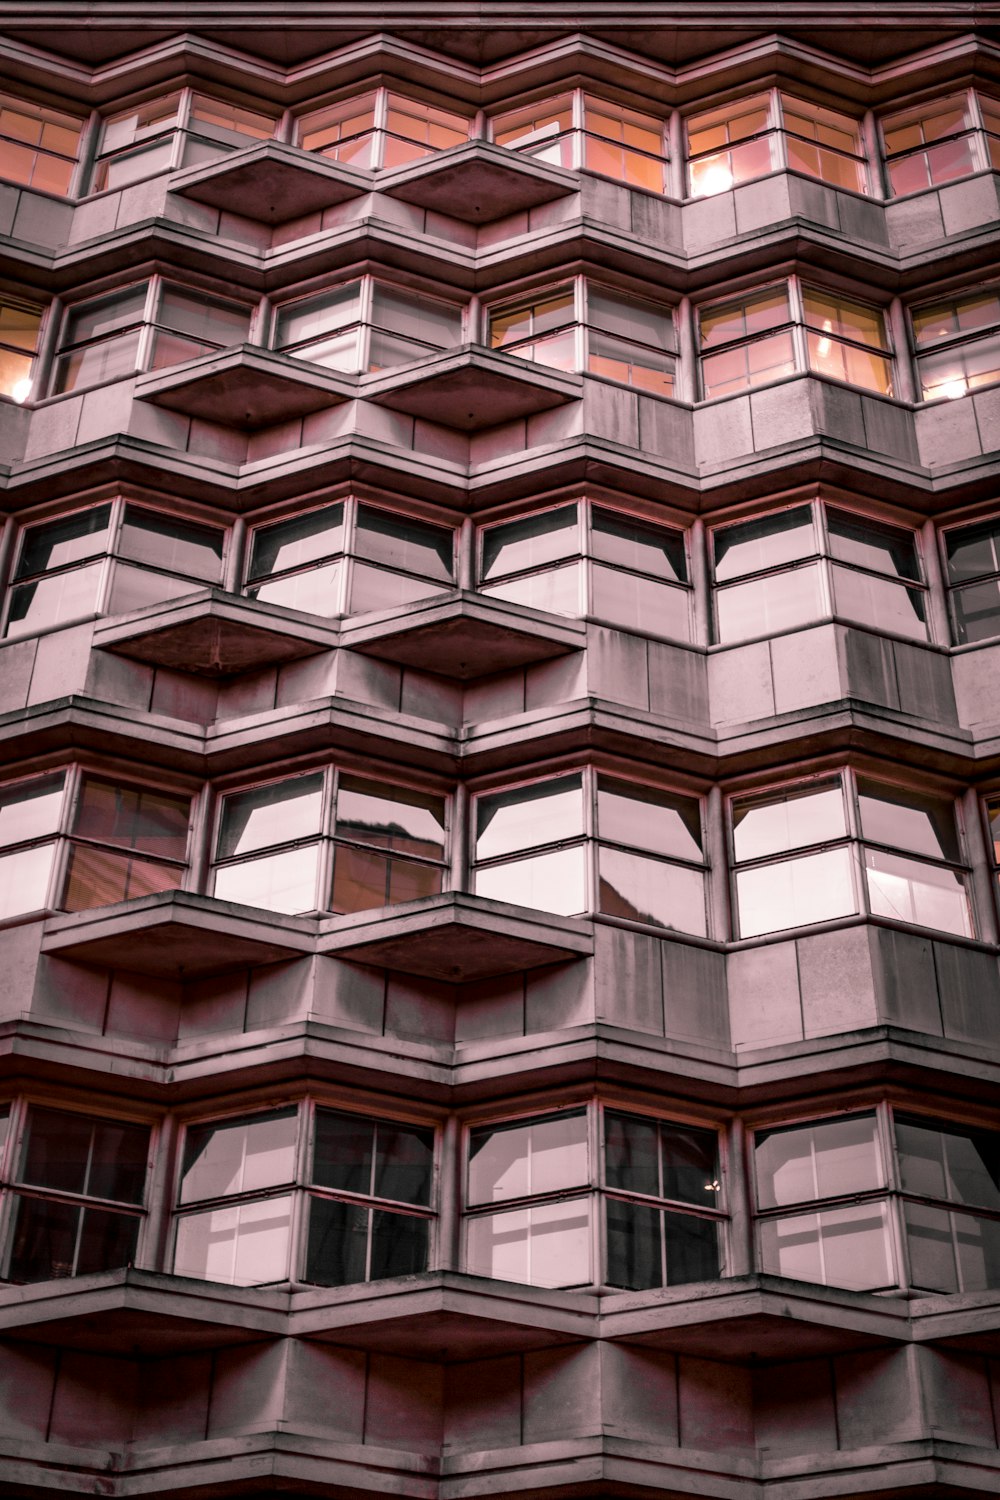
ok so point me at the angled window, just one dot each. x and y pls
(381, 128)
(329, 841)
(958, 345)
(39, 146)
(348, 558)
(937, 142)
(579, 130)
(823, 849)
(19, 327)
(366, 325)
(32, 815)
(771, 132)
(587, 842)
(109, 559)
(814, 562)
(791, 327)
(972, 562)
(176, 130)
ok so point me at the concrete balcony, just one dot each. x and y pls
(478, 182)
(957, 209)
(271, 182)
(246, 387)
(753, 209)
(471, 388)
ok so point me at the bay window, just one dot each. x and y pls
(791, 327)
(581, 325)
(591, 1195)
(846, 843)
(579, 130)
(958, 345)
(880, 1199)
(813, 562)
(327, 840)
(107, 560)
(585, 841)
(304, 1193)
(366, 325)
(180, 129)
(19, 328)
(934, 143)
(347, 558)
(39, 146)
(146, 327)
(381, 128)
(771, 132)
(972, 564)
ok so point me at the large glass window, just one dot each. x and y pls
(583, 326)
(579, 130)
(330, 841)
(38, 145)
(19, 326)
(847, 843)
(930, 144)
(771, 132)
(791, 327)
(880, 1199)
(171, 131)
(586, 841)
(107, 560)
(78, 1185)
(813, 562)
(972, 561)
(304, 1194)
(146, 327)
(366, 325)
(542, 1211)
(380, 129)
(958, 345)
(349, 557)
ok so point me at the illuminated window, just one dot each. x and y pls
(380, 129)
(772, 132)
(787, 328)
(178, 130)
(577, 129)
(586, 841)
(972, 559)
(366, 325)
(931, 144)
(38, 146)
(658, 1195)
(846, 843)
(814, 562)
(958, 345)
(19, 325)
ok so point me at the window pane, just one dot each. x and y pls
(203, 318)
(174, 545)
(314, 592)
(558, 591)
(906, 820)
(327, 130)
(555, 882)
(879, 603)
(59, 543)
(530, 543)
(239, 1156)
(245, 1245)
(766, 542)
(952, 1252)
(628, 318)
(638, 1236)
(30, 809)
(977, 611)
(646, 819)
(828, 1159)
(545, 1245)
(55, 1239)
(363, 880)
(541, 813)
(949, 1162)
(136, 588)
(522, 129)
(25, 878)
(274, 814)
(376, 588)
(814, 888)
(390, 817)
(56, 1150)
(343, 1152)
(303, 539)
(648, 890)
(638, 604)
(510, 325)
(276, 882)
(911, 891)
(771, 605)
(337, 1249)
(531, 1156)
(96, 877)
(416, 317)
(738, 320)
(104, 315)
(632, 1154)
(638, 545)
(133, 818)
(790, 820)
(97, 364)
(399, 542)
(973, 551)
(846, 1247)
(318, 316)
(869, 544)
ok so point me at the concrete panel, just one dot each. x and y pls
(44, 221)
(561, 680)
(248, 1389)
(438, 441)
(837, 412)
(213, 1005)
(62, 661)
(667, 431)
(605, 202)
(905, 982)
(181, 695)
(558, 997)
(250, 693)
(969, 204)
(947, 432)
(105, 411)
(483, 1404)
(209, 440)
(957, 1397)
(969, 990)
(695, 998)
(53, 427)
(739, 684)
(889, 429)
(722, 431)
(861, 219)
(493, 1007)
(421, 1008)
(94, 217)
(325, 1390)
(18, 963)
(142, 200)
(616, 666)
(836, 982)
(975, 677)
(655, 221)
(782, 414)
(639, 1395)
(27, 1378)
(986, 405)
(349, 995)
(923, 678)
(69, 995)
(502, 695)
(10, 196)
(431, 698)
(173, 1400)
(155, 424)
(678, 682)
(878, 1398)
(762, 204)
(609, 411)
(794, 1407)
(805, 669)
(562, 1394)
(764, 1004)
(815, 201)
(312, 677)
(144, 1007)
(627, 979)
(326, 426)
(715, 1405)
(93, 1401)
(708, 220)
(368, 680)
(404, 1403)
(279, 993)
(914, 221)
(116, 679)
(869, 666)
(14, 432)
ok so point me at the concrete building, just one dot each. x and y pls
(500, 690)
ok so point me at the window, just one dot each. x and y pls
(19, 325)
(347, 558)
(366, 325)
(77, 1189)
(123, 842)
(659, 1189)
(330, 841)
(958, 345)
(972, 561)
(381, 128)
(178, 130)
(847, 843)
(147, 327)
(583, 326)
(790, 327)
(364, 1214)
(38, 146)
(585, 841)
(577, 129)
(813, 562)
(930, 144)
(107, 560)
(772, 132)
(583, 559)
(880, 1199)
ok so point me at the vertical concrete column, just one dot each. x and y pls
(479, 126)
(870, 142)
(701, 633)
(904, 384)
(285, 129)
(720, 923)
(982, 878)
(460, 839)
(937, 599)
(233, 575)
(686, 383)
(156, 1240)
(90, 137)
(475, 327)
(449, 1235)
(8, 536)
(201, 842)
(742, 1260)
(676, 166)
(467, 554)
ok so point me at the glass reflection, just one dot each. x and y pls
(528, 1157)
(789, 820)
(548, 1244)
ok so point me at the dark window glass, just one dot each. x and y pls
(398, 542)
(767, 542)
(53, 1240)
(636, 545)
(960, 1165)
(531, 543)
(59, 543)
(868, 544)
(291, 544)
(348, 1244)
(175, 546)
(133, 818)
(381, 1158)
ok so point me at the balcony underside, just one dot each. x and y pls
(478, 182)
(271, 182)
(472, 388)
(245, 387)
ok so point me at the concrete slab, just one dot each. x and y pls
(471, 388)
(272, 182)
(478, 182)
(246, 387)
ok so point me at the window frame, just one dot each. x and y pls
(176, 134)
(61, 119)
(952, 588)
(383, 93)
(363, 326)
(955, 345)
(577, 135)
(977, 133)
(14, 351)
(775, 132)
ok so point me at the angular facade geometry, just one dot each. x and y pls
(500, 690)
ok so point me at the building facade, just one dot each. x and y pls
(500, 685)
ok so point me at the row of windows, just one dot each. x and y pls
(787, 568)
(872, 1200)
(367, 325)
(382, 127)
(580, 841)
